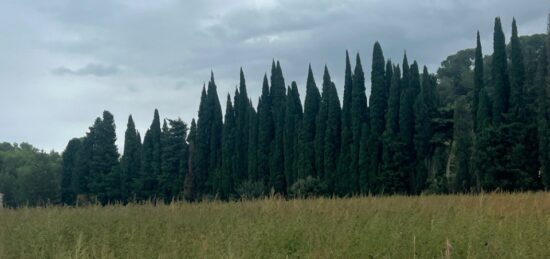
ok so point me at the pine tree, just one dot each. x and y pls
(131, 160)
(358, 120)
(378, 105)
(293, 119)
(307, 132)
(69, 171)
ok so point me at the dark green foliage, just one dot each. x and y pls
(69, 171)
(104, 176)
(174, 156)
(277, 179)
(543, 110)
(425, 111)
(252, 144)
(131, 161)
(150, 161)
(478, 81)
(407, 124)
(500, 78)
(293, 120)
(307, 131)
(266, 131)
(242, 126)
(358, 118)
(189, 191)
(223, 180)
(377, 111)
(462, 135)
(308, 187)
(344, 179)
(332, 141)
(321, 125)
(30, 177)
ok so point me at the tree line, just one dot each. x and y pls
(481, 123)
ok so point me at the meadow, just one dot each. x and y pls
(496, 225)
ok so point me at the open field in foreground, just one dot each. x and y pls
(484, 226)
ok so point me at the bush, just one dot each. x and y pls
(250, 190)
(308, 187)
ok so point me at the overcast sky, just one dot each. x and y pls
(63, 62)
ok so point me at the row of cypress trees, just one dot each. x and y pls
(386, 145)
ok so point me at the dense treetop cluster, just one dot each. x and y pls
(481, 123)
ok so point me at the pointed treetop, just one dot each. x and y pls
(212, 76)
(326, 75)
(357, 60)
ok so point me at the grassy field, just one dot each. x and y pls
(484, 226)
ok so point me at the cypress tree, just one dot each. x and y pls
(189, 182)
(343, 180)
(104, 181)
(478, 80)
(321, 125)
(407, 124)
(332, 140)
(69, 171)
(462, 129)
(425, 109)
(392, 178)
(358, 119)
(174, 159)
(202, 148)
(223, 184)
(151, 160)
(278, 97)
(242, 131)
(131, 160)
(378, 102)
(266, 132)
(253, 174)
(542, 83)
(307, 132)
(216, 125)
(293, 119)
(499, 74)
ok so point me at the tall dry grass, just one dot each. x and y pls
(456, 226)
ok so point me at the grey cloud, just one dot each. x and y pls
(92, 69)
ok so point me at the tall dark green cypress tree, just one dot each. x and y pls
(321, 125)
(130, 161)
(202, 148)
(407, 123)
(277, 179)
(542, 83)
(478, 79)
(69, 171)
(266, 132)
(216, 125)
(189, 182)
(378, 105)
(358, 120)
(253, 174)
(425, 110)
(174, 158)
(332, 141)
(104, 183)
(307, 132)
(500, 77)
(223, 183)
(392, 178)
(293, 119)
(242, 131)
(343, 181)
(151, 161)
